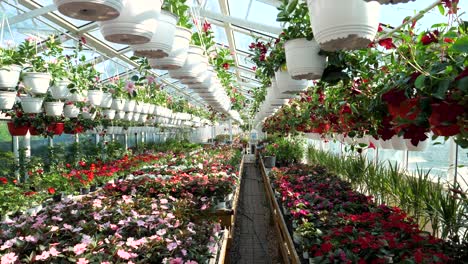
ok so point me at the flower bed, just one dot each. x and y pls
(332, 223)
(163, 214)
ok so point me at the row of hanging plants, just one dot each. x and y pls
(332, 223)
(162, 33)
(408, 86)
(163, 214)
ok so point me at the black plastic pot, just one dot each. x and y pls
(84, 190)
(93, 188)
(57, 197)
(269, 161)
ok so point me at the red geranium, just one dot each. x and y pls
(51, 190)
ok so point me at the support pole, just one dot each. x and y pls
(15, 141)
(27, 152)
(126, 141)
(230, 130)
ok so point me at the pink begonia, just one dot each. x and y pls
(9, 258)
(163, 201)
(176, 261)
(31, 239)
(45, 255)
(172, 246)
(184, 252)
(54, 252)
(82, 261)
(79, 248)
(130, 87)
(126, 255)
(150, 79)
(161, 232)
(127, 199)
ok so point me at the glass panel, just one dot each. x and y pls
(435, 158)
(212, 5)
(462, 170)
(220, 35)
(243, 41)
(389, 156)
(244, 61)
(238, 8)
(263, 13)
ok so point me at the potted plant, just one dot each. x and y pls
(90, 10)
(302, 51)
(59, 68)
(331, 22)
(136, 23)
(197, 60)
(53, 107)
(35, 76)
(269, 158)
(10, 68)
(71, 110)
(19, 121)
(95, 93)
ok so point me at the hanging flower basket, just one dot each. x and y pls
(287, 85)
(338, 25)
(129, 105)
(31, 105)
(106, 100)
(53, 108)
(17, 130)
(71, 111)
(178, 53)
(136, 116)
(38, 82)
(138, 107)
(88, 115)
(195, 65)
(58, 128)
(7, 100)
(90, 10)
(303, 59)
(120, 115)
(394, 2)
(9, 76)
(118, 104)
(161, 43)
(422, 145)
(109, 114)
(78, 96)
(135, 25)
(60, 89)
(95, 97)
(128, 116)
(398, 143)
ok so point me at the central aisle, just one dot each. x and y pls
(255, 239)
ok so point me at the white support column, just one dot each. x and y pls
(27, 152)
(126, 141)
(230, 130)
(15, 141)
(451, 173)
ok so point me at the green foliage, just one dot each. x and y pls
(295, 15)
(286, 150)
(181, 10)
(7, 159)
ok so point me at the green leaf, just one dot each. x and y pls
(442, 89)
(461, 45)
(292, 6)
(463, 85)
(419, 83)
(441, 9)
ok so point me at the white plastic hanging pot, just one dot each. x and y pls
(338, 24)
(129, 105)
(9, 76)
(78, 96)
(161, 43)
(287, 85)
(386, 144)
(38, 82)
(136, 23)
(88, 115)
(53, 108)
(106, 100)
(109, 114)
(136, 116)
(195, 65)
(128, 116)
(143, 118)
(151, 109)
(60, 89)
(120, 115)
(118, 104)
(95, 97)
(398, 143)
(7, 100)
(303, 59)
(31, 105)
(147, 108)
(374, 141)
(90, 10)
(422, 145)
(178, 53)
(71, 111)
(138, 107)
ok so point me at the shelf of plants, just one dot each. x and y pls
(153, 207)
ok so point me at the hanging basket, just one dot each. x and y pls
(53, 108)
(17, 130)
(394, 2)
(120, 115)
(135, 25)
(422, 145)
(9, 76)
(78, 96)
(338, 25)
(398, 143)
(71, 111)
(195, 65)
(128, 116)
(90, 10)
(129, 105)
(178, 53)
(60, 89)
(7, 100)
(136, 116)
(287, 85)
(139, 107)
(303, 59)
(31, 105)
(58, 128)
(88, 115)
(118, 104)
(109, 114)
(95, 97)
(106, 100)
(38, 82)
(161, 43)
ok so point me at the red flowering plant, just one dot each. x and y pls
(204, 37)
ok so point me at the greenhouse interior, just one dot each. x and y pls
(233, 131)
